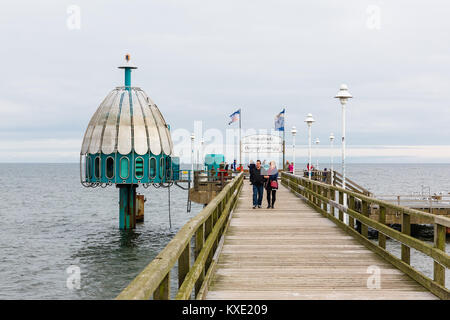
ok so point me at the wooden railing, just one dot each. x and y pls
(350, 184)
(322, 197)
(325, 176)
(206, 181)
(205, 230)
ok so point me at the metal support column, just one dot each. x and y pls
(127, 206)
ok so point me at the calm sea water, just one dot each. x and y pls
(50, 222)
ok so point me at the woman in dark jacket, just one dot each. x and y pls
(271, 184)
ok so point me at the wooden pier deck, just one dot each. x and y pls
(293, 252)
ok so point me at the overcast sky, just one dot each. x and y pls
(201, 60)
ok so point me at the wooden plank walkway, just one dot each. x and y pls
(293, 252)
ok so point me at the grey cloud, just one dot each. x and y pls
(202, 59)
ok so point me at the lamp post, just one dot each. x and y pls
(343, 95)
(317, 153)
(192, 156)
(309, 121)
(202, 164)
(294, 132)
(332, 160)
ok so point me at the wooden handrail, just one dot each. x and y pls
(351, 182)
(321, 196)
(337, 180)
(154, 280)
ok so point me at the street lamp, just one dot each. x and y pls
(192, 156)
(202, 142)
(294, 132)
(309, 121)
(332, 160)
(343, 95)
(317, 153)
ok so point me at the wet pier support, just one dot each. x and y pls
(127, 206)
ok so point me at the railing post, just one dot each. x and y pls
(304, 191)
(208, 228)
(333, 198)
(341, 201)
(318, 201)
(199, 242)
(307, 190)
(163, 291)
(351, 205)
(382, 219)
(184, 264)
(364, 212)
(310, 189)
(324, 203)
(313, 189)
(406, 229)
(439, 243)
(216, 214)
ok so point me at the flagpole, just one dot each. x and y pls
(240, 142)
(284, 141)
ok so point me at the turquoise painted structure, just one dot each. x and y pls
(175, 168)
(127, 143)
(214, 161)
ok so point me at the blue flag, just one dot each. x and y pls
(279, 121)
(235, 116)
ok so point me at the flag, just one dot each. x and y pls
(279, 121)
(235, 116)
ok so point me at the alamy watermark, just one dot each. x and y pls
(374, 280)
(73, 21)
(373, 21)
(73, 281)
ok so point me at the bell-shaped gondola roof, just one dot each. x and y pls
(127, 120)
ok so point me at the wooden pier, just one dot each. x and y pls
(293, 252)
(309, 247)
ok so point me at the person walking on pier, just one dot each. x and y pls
(257, 180)
(271, 184)
(251, 167)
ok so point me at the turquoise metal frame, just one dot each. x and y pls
(131, 178)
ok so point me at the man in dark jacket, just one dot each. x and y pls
(251, 167)
(257, 180)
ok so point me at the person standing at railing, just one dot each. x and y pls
(271, 184)
(234, 165)
(222, 171)
(257, 180)
(310, 167)
(291, 167)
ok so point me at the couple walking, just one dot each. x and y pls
(260, 179)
